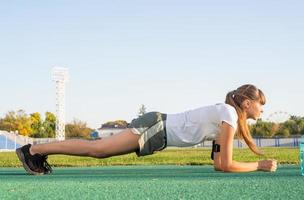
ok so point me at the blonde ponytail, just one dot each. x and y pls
(235, 99)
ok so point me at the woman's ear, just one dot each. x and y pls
(246, 104)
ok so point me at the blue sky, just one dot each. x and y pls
(169, 55)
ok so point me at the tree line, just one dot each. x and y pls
(33, 125)
(294, 126)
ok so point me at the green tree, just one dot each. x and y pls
(23, 123)
(49, 125)
(115, 124)
(8, 123)
(263, 129)
(17, 121)
(37, 128)
(29, 125)
(295, 118)
(77, 129)
(298, 126)
(292, 127)
(283, 131)
(301, 126)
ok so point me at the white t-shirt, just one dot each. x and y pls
(194, 126)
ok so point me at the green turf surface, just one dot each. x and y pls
(152, 182)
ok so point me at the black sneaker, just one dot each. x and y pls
(33, 164)
(47, 168)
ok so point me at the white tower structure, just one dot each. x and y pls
(60, 77)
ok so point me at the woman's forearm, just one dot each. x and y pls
(241, 167)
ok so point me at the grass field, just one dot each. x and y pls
(193, 156)
(171, 174)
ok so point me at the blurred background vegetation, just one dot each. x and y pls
(36, 126)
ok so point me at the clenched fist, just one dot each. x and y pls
(267, 165)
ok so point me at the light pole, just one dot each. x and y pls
(60, 77)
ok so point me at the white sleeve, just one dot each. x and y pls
(229, 115)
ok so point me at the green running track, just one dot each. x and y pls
(151, 182)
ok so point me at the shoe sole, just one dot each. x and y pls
(22, 159)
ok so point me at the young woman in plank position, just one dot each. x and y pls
(155, 131)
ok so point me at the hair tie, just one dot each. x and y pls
(233, 93)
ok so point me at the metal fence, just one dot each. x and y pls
(9, 141)
(292, 142)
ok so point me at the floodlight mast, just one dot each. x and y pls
(60, 77)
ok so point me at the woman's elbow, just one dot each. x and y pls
(226, 168)
(217, 167)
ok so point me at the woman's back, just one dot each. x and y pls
(193, 126)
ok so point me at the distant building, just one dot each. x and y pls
(107, 131)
